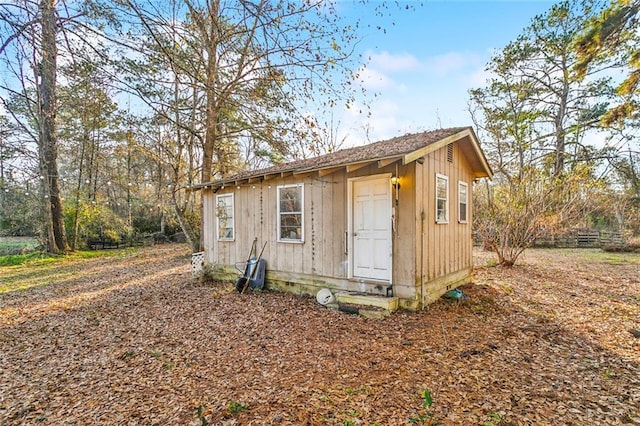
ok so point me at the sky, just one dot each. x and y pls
(424, 65)
(425, 62)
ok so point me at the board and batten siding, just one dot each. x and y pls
(404, 253)
(445, 254)
(255, 209)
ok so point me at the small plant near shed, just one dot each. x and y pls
(358, 390)
(427, 399)
(420, 419)
(127, 355)
(352, 417)
(201, 415)
(424, 415)
(608, 374)
(494, 419)
(235, 407)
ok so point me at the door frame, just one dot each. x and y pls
(349, 237)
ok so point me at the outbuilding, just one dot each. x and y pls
(391, 219)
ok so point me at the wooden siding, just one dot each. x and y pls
(448, 246)
(321, 253)
(404, 253)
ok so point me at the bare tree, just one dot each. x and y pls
(254, 65)
(35, 29)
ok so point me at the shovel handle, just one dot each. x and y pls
(253, 271)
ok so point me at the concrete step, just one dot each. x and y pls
(389, 304)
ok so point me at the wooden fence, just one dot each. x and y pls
(582, 238)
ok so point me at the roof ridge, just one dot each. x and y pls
(397, 145)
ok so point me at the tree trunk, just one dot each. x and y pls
(129, 168)
(76, 202)
(559, 120)
(211, 131)
(211, 95)
(3, 183)
(189, 235)
(47, 228)
(54, 214)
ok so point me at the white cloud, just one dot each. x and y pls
(414, 93)
(383, 119)
(387, 72)
(377, 74)
(373, 79)
(388, 62)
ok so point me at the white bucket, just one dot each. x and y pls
(324, 297)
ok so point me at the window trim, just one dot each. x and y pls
(446, 199)
(279, 214)
(465, 185)
(233, 217)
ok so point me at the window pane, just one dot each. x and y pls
(290, 199)
(462, 197)
(291, 226)
(442, 193)
(224, 213)
(463, 212)
(290, 219)
(441, 211)
(442, 188)
(290, 213)
(225, 233)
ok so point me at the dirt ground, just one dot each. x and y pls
(131, 340)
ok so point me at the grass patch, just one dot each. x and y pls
(610, 258)
(19, 259)
(23, 271)
(42, 258)
(17, 245)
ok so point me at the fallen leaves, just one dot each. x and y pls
(133, 340)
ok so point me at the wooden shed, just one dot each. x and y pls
(390, 219)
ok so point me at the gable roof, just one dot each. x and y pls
(406, 149)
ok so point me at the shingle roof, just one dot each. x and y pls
(397, 146)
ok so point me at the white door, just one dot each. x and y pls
(372, 229)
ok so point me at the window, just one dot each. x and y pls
(290, 217)
(224, 216)
(463, 200)
(442, 199)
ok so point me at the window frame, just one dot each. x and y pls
(233, 216)
(280, 239)
(444, 220)
(461, 202)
